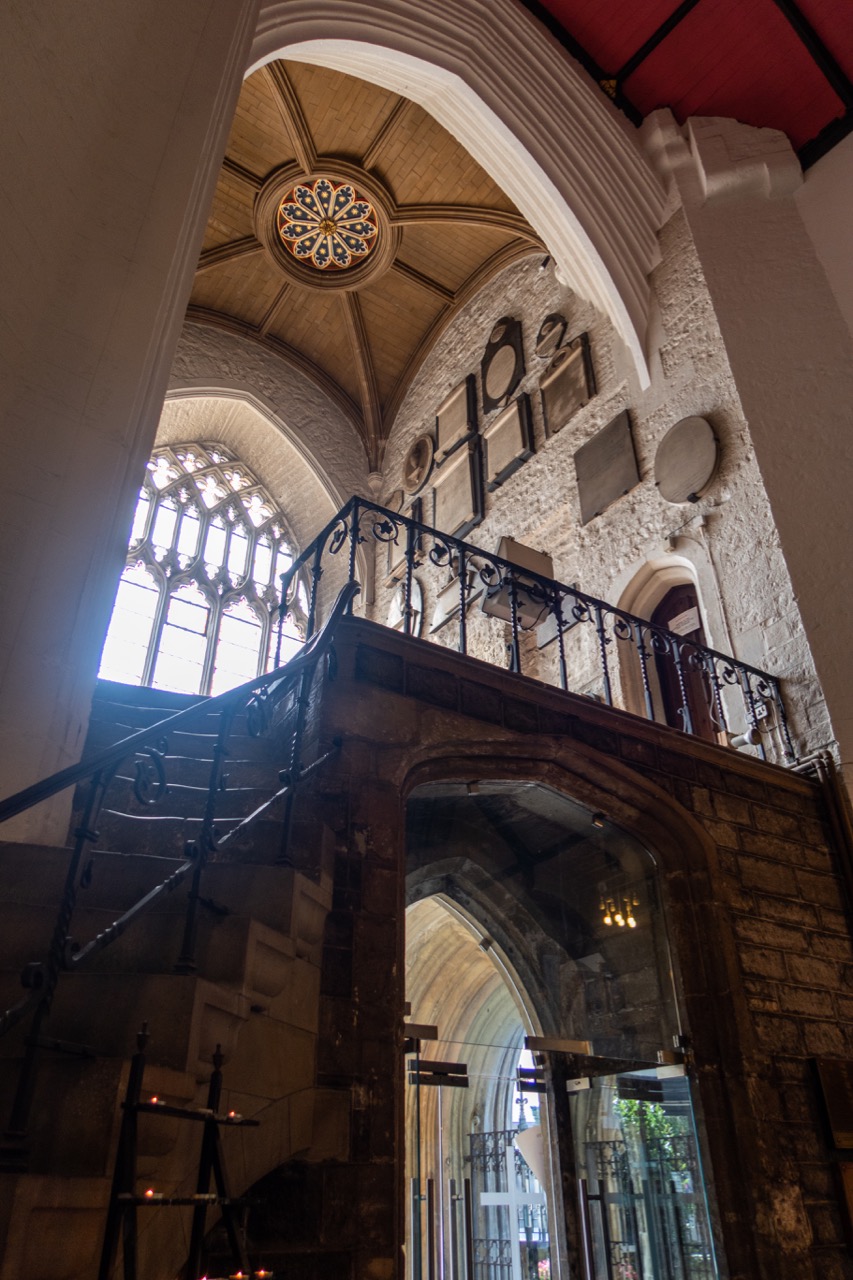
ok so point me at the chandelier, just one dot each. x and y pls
(618, 910)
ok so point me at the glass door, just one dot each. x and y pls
(533, 919)
(478, 1206)
(644, 1214)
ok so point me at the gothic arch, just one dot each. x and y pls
(494, 78)
(688, 867)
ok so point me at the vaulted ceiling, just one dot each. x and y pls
(443, 227)
(418, 225)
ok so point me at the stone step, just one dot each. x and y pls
(236, 900)
(166, 835)
(189, 798)
(190, 740)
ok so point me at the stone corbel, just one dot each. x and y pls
(712, 158)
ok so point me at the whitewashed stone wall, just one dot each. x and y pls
(258, 441)
(727, 542)
(211, 360)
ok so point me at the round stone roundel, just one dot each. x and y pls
(327, 225)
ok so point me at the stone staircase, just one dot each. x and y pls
(255, 990)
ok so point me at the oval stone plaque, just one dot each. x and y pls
(417, 464)
(686, 460)
(500, 375)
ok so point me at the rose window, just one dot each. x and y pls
(327, 225)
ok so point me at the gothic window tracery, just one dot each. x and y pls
(196, 607)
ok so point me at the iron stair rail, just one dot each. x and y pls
(361, 521)
(259, 697)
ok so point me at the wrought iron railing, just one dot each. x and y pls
(257, 700)
(596, 644)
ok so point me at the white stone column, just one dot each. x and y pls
(107, 109)
(791, 356)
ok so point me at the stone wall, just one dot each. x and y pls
(726, 543)
(754, 901)
(210, 360)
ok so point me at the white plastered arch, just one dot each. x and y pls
(493, 77)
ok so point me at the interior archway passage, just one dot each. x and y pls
(531, 917)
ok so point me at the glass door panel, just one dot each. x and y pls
(641, 1182)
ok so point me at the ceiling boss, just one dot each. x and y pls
(327, 225)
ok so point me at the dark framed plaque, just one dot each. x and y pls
(449, 596)
(395, 567)
(551, 333)
(686, 460)
(458, 491)
(606, 467)
(567, 384)
(456, 418)
(547, 631)
(417, 464)
(836, 1084)
(502, 366)
(397, 610)
(507, 442)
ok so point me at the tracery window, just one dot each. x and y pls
(196, 607)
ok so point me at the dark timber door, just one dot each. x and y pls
(679, 612)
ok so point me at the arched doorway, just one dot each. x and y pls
(685, 687)
(534, 923)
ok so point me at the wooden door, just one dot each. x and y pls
(679, 612)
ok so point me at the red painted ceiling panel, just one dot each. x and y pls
(833, 23)
(610, 30)
(739, 58)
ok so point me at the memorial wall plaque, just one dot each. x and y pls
(397, 610)
(449, 596)
(606, 467)
(456, 417)
(567, 384)
(502, 366)
(686, 460)
(547, 631)
(551, 334)
(508, 442)
(459, 491)
(417, 464)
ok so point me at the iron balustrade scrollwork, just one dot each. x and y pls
(147, 750)
(726, 688)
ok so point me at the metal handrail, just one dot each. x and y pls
(259, 697)
(362, 520)
(30, 796)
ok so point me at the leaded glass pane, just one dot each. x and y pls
(237, 651)
(238, 550)
(188, 535)
(183, 643)
(214, 547)
(210, 526)
(164, 527)
(263, 562)
(140, 518)
(129, 636)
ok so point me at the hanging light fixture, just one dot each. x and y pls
(618, 909)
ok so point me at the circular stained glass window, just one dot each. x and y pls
(327, 225)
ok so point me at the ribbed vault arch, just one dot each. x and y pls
(494, 78)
